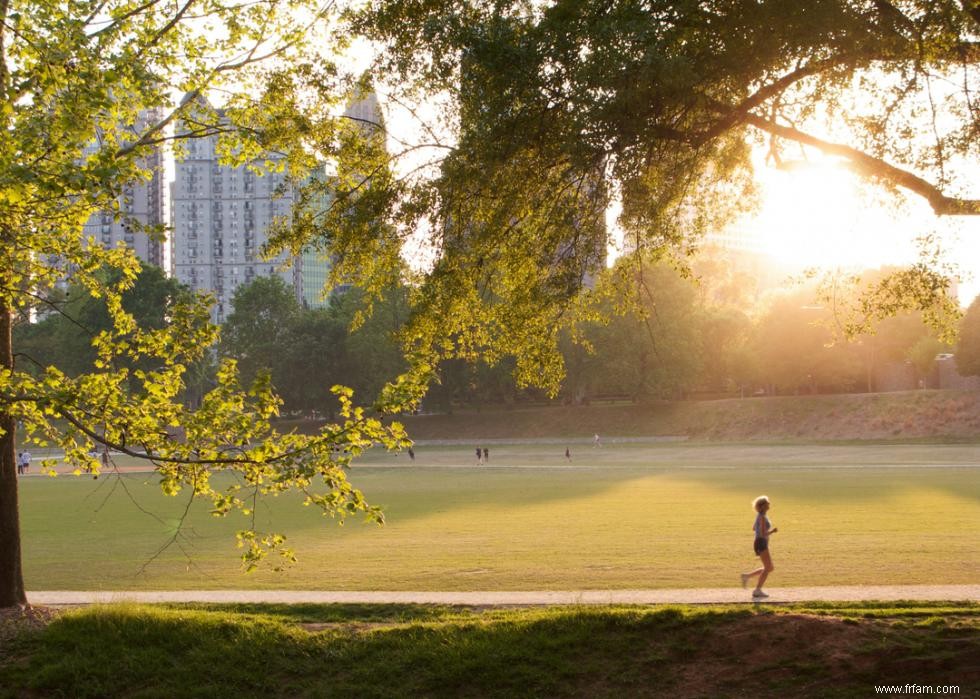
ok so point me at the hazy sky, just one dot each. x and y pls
(824, 216)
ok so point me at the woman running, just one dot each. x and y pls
(762, 528)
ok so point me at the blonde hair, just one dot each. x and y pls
(759, 502)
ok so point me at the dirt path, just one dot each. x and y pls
(855, 593)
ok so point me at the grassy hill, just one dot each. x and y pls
(817, 650)
(904, 415)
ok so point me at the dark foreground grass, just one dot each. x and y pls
(393, 651)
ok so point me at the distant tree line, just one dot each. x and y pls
(308, 350)
(684, 337)
(694, 336)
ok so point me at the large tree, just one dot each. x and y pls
(87, 89)
(553, 108)
(654, 350)
(269, 331)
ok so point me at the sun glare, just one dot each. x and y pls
(817, 215)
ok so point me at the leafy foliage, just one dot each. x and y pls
(63, 338)
(650, 351)
(257, 331)
(553, 109)
(85, 98)
(306, 351)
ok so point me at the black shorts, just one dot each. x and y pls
(761, 544)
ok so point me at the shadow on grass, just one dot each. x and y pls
(408, 493)
(139, 651)
(66, 534)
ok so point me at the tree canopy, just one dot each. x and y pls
(87, 91)
(553, 109)
(306, 350)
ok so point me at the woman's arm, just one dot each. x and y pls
(762, 526)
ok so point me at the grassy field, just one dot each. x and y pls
(624, 516)
(804, 651)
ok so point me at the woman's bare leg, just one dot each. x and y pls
(767, 568)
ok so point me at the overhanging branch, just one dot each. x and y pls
(777, 87)
(869, 166)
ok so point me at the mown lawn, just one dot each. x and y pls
(803, 651)
(628, 516)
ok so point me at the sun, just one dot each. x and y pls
(820, 215)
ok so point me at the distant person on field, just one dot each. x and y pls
(105, 457)
(568, 454)
(479, 456)
(411, 454)
(596, 442)
(20, 463)
(763, 529)
(25, 460)
(486, 455)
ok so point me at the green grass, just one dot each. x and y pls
(140, 651)
(631, 516)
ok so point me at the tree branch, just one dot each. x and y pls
(122, 448)
(174, 21)
(139, 9)
(51, 304)
(870, 166)
(4, 72)
(773, 89)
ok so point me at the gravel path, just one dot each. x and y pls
(854, 593)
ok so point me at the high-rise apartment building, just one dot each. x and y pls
(366, 110)
(220, 217)
(310, 275)
(142, 202)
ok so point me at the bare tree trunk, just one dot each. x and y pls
(12, 592)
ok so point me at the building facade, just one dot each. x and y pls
(220, 216)
(141, 202)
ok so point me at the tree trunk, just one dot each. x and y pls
(11, 575)
(12, 592)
